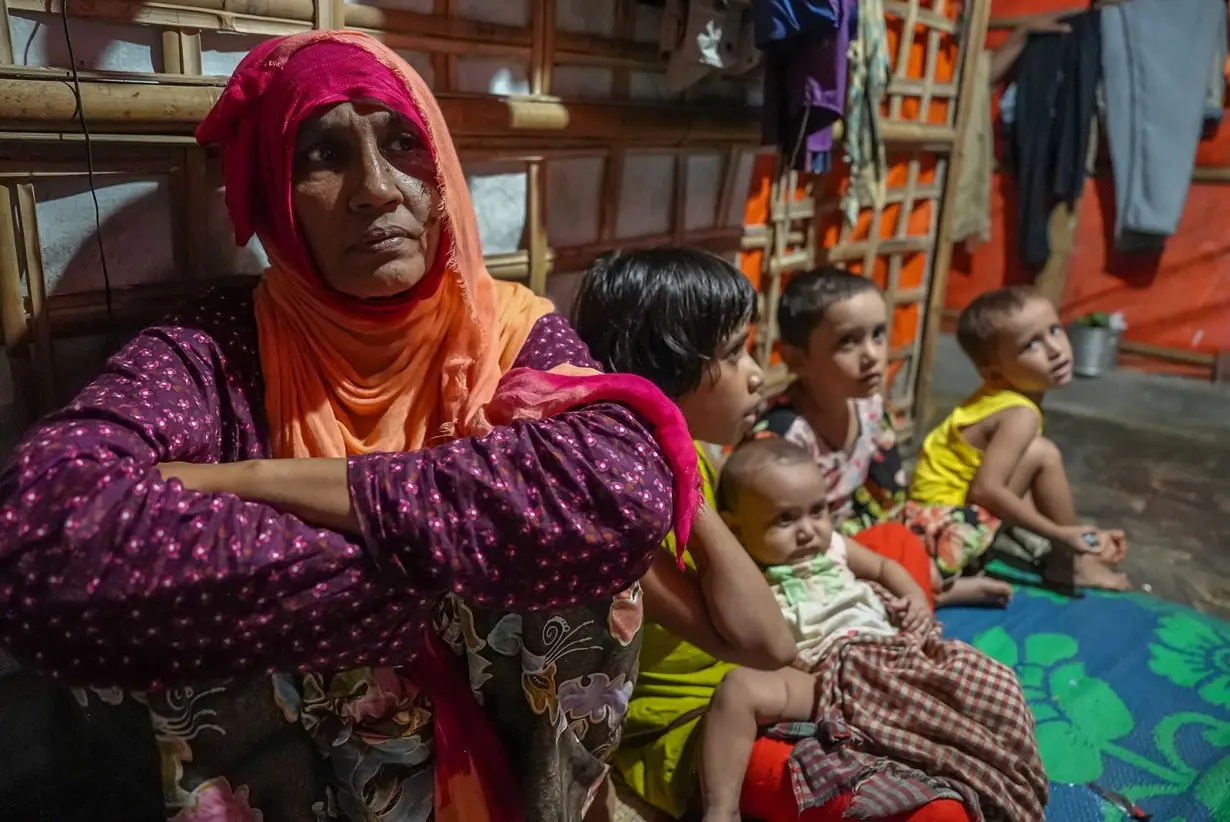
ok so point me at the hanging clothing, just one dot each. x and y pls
(1056, 98)
(778, 20)
(1162, 60)
(972, 222)
(705, 37)
(868, 83)
(805, 84)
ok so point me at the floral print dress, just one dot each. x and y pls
(866, 481)
(548, 515)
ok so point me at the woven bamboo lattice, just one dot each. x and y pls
(646, 168)
(903, 243)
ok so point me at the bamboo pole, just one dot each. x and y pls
(973, 36)
(328, 15)
(443, 64)
(36, 284)
(12, 304)
(928, 18)
(181, 52)
(679, 199)
(611, 192)
(625, 26)
(1167, 354)
(6, 34)
(44, 105)
(536, 227)
(730, 180)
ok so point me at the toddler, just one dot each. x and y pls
(834, 339)
(988, 462)
(867, 668)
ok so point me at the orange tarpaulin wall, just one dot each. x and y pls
(1178, 300)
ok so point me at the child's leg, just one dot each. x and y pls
(1042, 478)
(744, 701)
(1040, 475)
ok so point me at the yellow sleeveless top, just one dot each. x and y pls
(947, 463)
(658, 755)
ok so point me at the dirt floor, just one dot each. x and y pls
(1150, 455)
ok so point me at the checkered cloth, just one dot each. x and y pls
(937, 707)
(826, 761)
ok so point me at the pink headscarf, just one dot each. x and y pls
(274, 89)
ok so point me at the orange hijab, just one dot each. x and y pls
(343, 379)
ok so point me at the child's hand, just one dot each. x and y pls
(913, 611)
(1083, 539)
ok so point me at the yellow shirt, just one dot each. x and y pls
(658, 754)
(947, 463)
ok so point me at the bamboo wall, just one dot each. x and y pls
(570, 141)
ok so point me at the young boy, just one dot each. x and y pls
(680, 318)
(923, 700)
(834, 335)
(989, 462)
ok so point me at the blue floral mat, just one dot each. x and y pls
(1129, 692)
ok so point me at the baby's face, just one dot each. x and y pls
(1033, 353)
(783, 513)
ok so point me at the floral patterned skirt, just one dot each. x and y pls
(956, 536)
(358, 745)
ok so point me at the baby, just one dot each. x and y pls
(988, 461)
(891, 661)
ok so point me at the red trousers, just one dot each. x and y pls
(767, 793)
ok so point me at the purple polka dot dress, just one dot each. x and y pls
(270, 654)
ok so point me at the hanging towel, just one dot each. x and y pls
(1056, 98)
(972, 220)
(868, 83)
(805, 84)
(1157, 59)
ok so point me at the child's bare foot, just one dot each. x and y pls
(976, 591)
(1085, 571)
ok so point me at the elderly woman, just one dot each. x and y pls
(280, 487)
